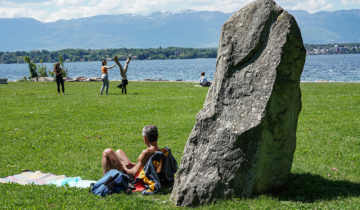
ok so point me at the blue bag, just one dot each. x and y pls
(113, 181)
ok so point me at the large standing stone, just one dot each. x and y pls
(244, 138)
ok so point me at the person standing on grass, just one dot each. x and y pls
(105, 77)
(59, 78)
(124, 80)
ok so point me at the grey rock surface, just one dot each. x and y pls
(46, 79)
(67, 79)
(80, 79)
(42, 79)
(95, 79)
(3, 81)
(244, 138)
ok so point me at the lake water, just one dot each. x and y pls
(317, 67)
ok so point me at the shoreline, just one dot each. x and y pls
(98, 79)
(180, 81)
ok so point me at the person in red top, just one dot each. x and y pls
(104, 77)
(59, 78)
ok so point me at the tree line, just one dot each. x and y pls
(75, 55)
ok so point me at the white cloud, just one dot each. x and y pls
(19, 12)
(144, 7)
(92, 2)
(52, 10)
(67, 2)
(25, 4)
(222, 5)
(312, 5)
(350, 2)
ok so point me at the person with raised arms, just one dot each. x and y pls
(105, 77)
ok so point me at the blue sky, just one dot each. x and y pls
(52, 10)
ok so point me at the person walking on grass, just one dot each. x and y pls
(59, 78)
(124, 80)
(105, 77)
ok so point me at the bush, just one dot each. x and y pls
(63, 70)
(32, 67)
(23, 79)
(51, 73)
(42, 69)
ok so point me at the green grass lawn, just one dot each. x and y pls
(67, 134)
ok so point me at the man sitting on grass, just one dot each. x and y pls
(118, 160)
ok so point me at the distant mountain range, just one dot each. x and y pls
(186, 29)
(341, 26)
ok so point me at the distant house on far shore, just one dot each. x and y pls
(108, 59)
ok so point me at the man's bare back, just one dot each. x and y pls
(118, 160)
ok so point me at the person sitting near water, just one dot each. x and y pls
(203, 81)
(124, 80)
(105, 77)
(59, 78)
(118, 160)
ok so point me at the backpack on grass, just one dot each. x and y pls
(113, 181)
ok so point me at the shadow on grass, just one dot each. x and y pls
(309, 188)
(166, 188)
(119, 93)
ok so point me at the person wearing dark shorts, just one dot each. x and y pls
(124, 80)
(123, 84)
(59, 78)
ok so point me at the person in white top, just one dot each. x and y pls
(203, 81)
